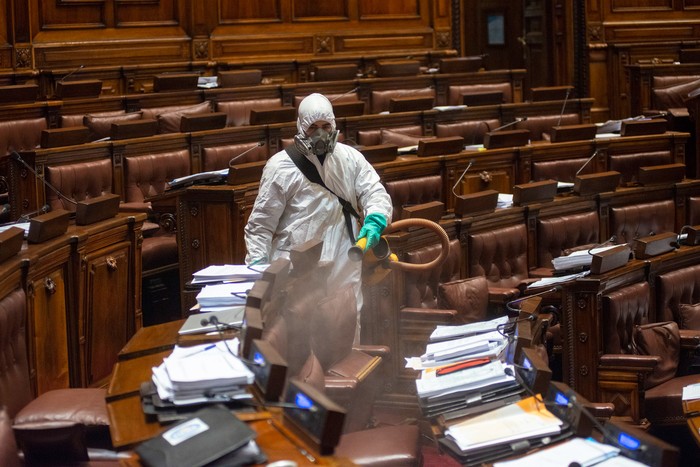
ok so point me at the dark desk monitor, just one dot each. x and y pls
(476, 203)
(10, 242)
(410, 104)
(432, 211)
(134, 129)
(564, 133)
(665, 174)
(175, 82)
(19, 93)
(340, 72)
(550, 93)
(386, 68)
(201, 122)
(69, 136)
(506, 139)
(440, 146)
(380, 153)
(248, 172)
(542, 191)
(599, 182)
(534, 370)
(273, 115)
(461, 64)
(482, 98)
(235, 78)
(348, 109)
(83, 89)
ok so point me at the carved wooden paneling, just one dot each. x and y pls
(258, 11)
(320, 11)
(388, 9)
(636, 5)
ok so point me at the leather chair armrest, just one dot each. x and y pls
(502, 295)
(633, 363)
(382, 351)
(136, 206)
(428, 314)
(690, 339)
(340, 388)
(538, 273)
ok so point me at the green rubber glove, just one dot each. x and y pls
(372, 229)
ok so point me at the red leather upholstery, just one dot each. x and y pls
(169, 117)
(21, 135)
(374, 137)
(541, 124)
(471, 130)
(147, 175)
(238, 112)
(694, 210)
(217, 157)
(390, 446)
(380, 100)
(641, 220)
(563, 170)
(623, 310)
(675, 288)
(556, 234)
(455, 91)
(421, 288)
(628, 164)
(412, 191)
(79, 181)
(15, 391)
(671, 93)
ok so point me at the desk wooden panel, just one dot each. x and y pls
(128, 375)
(151, 339)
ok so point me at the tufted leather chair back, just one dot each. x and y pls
(238, 112)
(539, 124)
(641, 220)
(374, 137)
(500, 255)
(80, 181)
(674, 288)
(694, 210)
(147, 175)
(671, 91)
(21, 135)
(380, 100)
(217, 157)
(563, 170)
(412, 191)
(556, 234)
(471, 130)
(624, 309)
(455, 91)
(628, 164)
(421, 288)
(15, 390)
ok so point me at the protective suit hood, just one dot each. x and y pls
(315, 107)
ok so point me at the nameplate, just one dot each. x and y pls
(274, 115)
(249, 172)
(410, 104)
(564, 133)
(653, 245)
(386, 68)
(654, 126)
(440, 146)
(592, 184)
(610, 259)
(348, 109)
(175, 82)
(506, 139)
(11, 242)
(343, 71)
(251, 329)
(97, 209)
(693, 232)
(202, 122)
(86, 89)
(134, 129)
(48, 226)
(69, 136)
(305, 256)
(473, 204)
(235, 78)
(534, 192)
(661, 174)
(322, 430)
(639, 445)
(550, 93)
(380, 153)
(270, 371)
(18, 93)
(482, 98)
(432, 211)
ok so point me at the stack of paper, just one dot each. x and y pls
(229, 273)
(480, 345)
(196, 374)
(505, 200)
(443, 333)
(461, 381)
(221, 295)
(577, 259)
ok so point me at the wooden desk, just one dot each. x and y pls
(129, 426)
(691, 409)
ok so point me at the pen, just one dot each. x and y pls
(209, 347)
(446, 370)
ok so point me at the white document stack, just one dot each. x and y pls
(229, 273)
(223, 295)
(577, 259)
(198, 373)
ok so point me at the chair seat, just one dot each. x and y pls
(662, 403)
(159, 251)
(384, 446)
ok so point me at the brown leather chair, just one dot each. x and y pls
(628, 164)
(639, 369)
(413, 191)
(471, 130)
(79, 182)
(218, 157)
(381, 99)
(677, 297)
(238, 112)
(456, 91)
(541, 125)
(57, 425)
(640, 220)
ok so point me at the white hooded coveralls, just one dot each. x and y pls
(290, 210)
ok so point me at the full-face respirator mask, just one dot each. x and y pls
(320, 142)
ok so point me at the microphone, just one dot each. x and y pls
(461, 177)
(340, 96)
(235, 158)
(595, 153)
(42, 210)
(214, 321)
(15, 156)
(612, 239)
(476, 130)
(532, 317)
(566, 98)
(517, 120)
(71, 73)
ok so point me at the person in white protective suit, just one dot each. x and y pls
(290, 209)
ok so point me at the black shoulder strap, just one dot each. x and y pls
(311, 173)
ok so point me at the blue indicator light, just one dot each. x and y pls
(302, 401)
(626, 441)
(561, 399)
(526, 363)
(258, 358)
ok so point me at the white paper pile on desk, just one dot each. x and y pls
(199, 373)
(223, 295)
(229, 273)
(578, 259)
